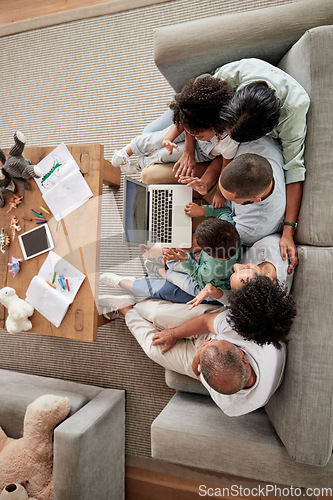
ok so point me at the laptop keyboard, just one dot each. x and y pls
(161, 216)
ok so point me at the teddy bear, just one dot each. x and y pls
(16, 168)
(31, 457)
(18, 311)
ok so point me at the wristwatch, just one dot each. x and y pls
(294, 224)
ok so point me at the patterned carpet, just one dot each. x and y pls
(94, 80)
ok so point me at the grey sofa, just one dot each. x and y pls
(89, 446)
(290, 441)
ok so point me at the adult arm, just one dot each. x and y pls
(186, 165)
(196, 326)
(208, 291)
(287, 245)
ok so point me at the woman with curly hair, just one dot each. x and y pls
(196, 115)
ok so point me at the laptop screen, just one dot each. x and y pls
(135, 212)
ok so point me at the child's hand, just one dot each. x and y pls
(166, 337)
(195, 183)
(219, 200)
(175, 254)
(208, 291)
(169, 146)
(194, 210)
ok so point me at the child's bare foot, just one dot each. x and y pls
(150, 252)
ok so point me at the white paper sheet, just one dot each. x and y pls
(62, 185)
(53, 303)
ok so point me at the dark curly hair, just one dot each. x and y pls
(196, 107)
(252, 112)
(262, 311)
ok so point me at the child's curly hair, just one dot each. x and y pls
(262, 311)
(196, 107)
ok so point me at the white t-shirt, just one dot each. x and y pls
(268, 250)
(267, 362)
(265, 250)
(225, 147)
(256, 220)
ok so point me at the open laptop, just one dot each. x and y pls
(155, 214)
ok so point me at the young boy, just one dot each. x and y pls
(220, 250)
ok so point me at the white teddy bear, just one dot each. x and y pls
(18, 311)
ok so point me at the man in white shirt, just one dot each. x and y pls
(240, 375)
(257, 211)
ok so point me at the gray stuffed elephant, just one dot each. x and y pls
(16, 168)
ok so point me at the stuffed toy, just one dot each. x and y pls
(15, 491)
(18, 311)
(7, 185)
(16, 167)
(31, 457)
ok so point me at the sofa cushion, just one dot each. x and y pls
(192, 430)
(301, 409)
(185, 50)
(18, 390)
(184, 383)
(310, 62)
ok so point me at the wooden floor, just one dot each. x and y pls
(20, 10)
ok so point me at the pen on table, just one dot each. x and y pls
(36, 212)
(54, 275)
(39, 216)
(40, 221)
(27, 218)
(44, 210)
(51, 284)
(67, 285)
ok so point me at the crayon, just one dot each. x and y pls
(44, 210)
(67, 285)
(49, 283)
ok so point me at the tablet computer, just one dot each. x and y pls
(36, 241)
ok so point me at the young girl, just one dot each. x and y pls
(195, 111)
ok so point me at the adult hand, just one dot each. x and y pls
(219, 200)
(186, 165)
(288, 249)
(194, 210)
(170, 146)
(166, 338)
(195, 183)
(175, 254)
(208, 291)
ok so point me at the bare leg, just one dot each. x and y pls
(126, 284)
(124, 310)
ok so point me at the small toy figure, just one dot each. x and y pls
(14, 226)
(14, 202)
(7, 185)
(4, 240)
(15, 266)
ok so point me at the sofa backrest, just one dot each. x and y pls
(185, 50)
(18, 390)
(310, 62)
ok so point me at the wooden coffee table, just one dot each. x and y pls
(76, 239)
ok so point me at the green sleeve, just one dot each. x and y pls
(223, 213)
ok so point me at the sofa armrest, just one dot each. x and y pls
(185, 50)
(89, 450)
